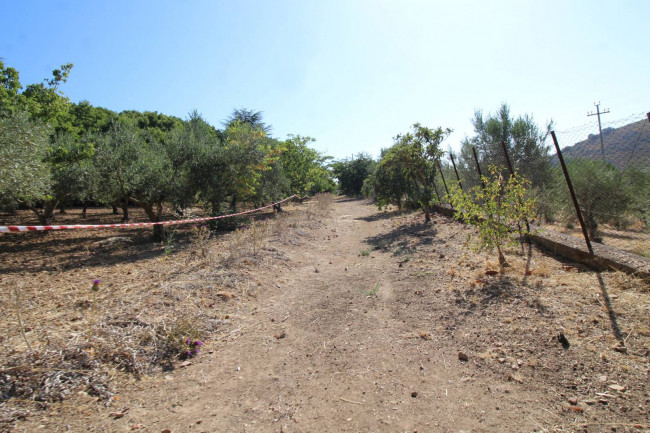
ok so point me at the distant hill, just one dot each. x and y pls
(628, 144)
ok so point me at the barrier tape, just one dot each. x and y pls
(10, 229)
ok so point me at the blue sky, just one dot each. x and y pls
(351, 74)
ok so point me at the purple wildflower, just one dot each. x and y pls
(188, 341)
(97, 281)
(198, 343)
(196, 351)
(188, 353)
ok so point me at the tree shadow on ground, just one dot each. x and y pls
(404, 239)
(499, 291)
(346, 199)
(50, 254)
(383, 215)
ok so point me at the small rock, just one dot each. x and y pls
(620, 348)
(502, 360)
(515, 367)
(414, 394)
(617, 387)
(602, 378)
(185, 364)
(563, 340)
(573, 401)
(280, 336)
(520, 362)
(463, 357)
(590, 402)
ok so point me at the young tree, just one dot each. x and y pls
(416, 153)
(495, 209)
(390, 182)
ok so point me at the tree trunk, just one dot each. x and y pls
(49, 208)
(125, 209)
(159, 232)
(115, 211)
(83, 211)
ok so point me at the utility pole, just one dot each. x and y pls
(600, 129)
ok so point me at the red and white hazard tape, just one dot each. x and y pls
(9, 229)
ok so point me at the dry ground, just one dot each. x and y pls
(353, 322)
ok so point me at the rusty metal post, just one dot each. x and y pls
(451, 156)
(505, 152)
(435, 188)
(478, 167)
(443, 178)
(573, 194)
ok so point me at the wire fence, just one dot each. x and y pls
(609, 173)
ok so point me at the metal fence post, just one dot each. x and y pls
(451, 156)
(505, 152)
(478, 167)
(573, 194)
(443, 178)
(435, 188)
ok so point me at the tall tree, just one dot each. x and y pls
(351, 173)
(306, 168)
(248, 117)
(521, 136)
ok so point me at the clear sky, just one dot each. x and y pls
(350, 73)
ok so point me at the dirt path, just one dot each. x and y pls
(359, 329)
(347, 360)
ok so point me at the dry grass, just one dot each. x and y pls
(63, 338)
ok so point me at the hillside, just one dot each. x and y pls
(628, 144)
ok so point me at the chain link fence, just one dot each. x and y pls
(609, 173)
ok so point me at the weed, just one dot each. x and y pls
(169, 244)
(19, 307)
(93, 306)
(236, 245)
(365, 253)
(200, 236)
(371, 292)
(258, 232)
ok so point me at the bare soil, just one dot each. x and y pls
(349, 320)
